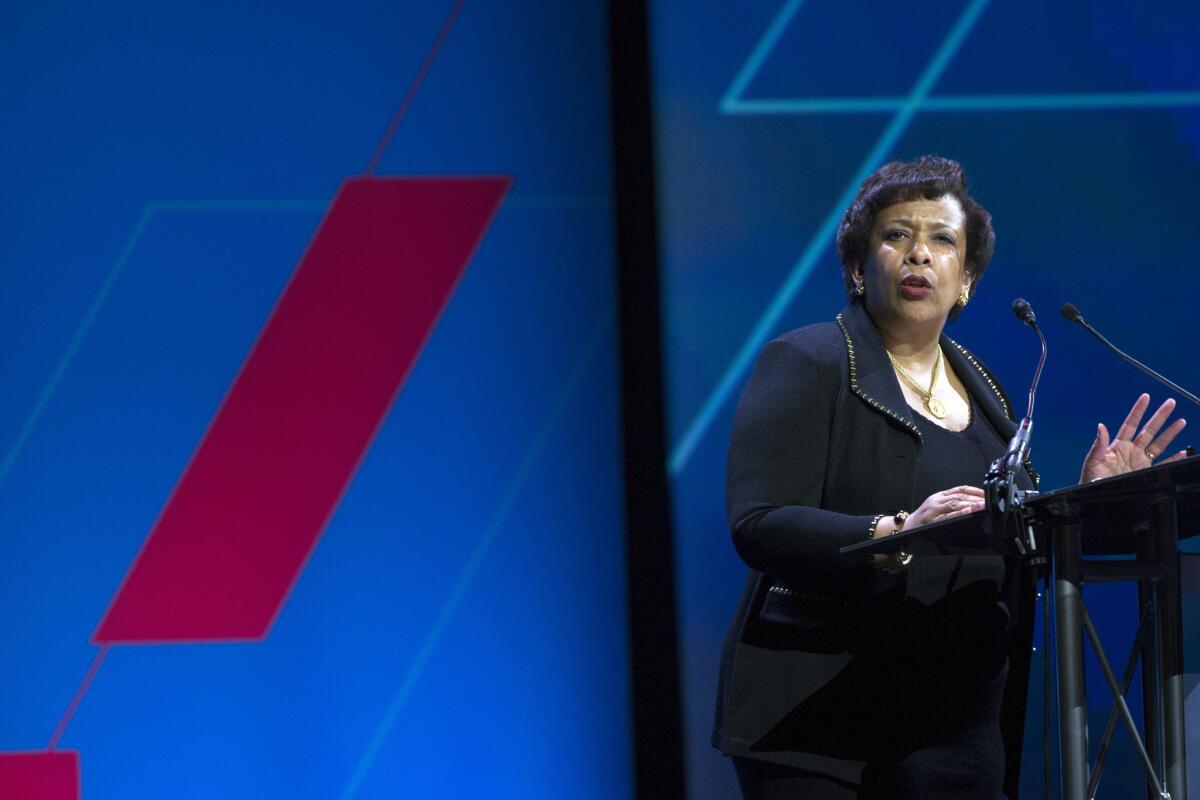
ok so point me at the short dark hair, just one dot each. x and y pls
(925, 178)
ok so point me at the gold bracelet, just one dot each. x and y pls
(873, 525)
(903, 559)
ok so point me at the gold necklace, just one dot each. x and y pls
(934, 405)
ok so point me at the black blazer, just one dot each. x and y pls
(823, 440)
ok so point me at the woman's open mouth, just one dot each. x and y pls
(915, 287)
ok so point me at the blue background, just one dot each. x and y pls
(460, 629)
(461, 626)
(1079, 125)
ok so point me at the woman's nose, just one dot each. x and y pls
(919, 252)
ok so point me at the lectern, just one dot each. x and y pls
(1135, 521)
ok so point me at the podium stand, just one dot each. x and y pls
(1136, 520)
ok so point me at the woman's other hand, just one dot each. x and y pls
(1127, 452)
(943, 505)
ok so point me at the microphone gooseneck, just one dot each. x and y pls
(1024, 312)
(1072, 315)
(1000, 483)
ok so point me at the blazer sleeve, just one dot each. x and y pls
(776, 467)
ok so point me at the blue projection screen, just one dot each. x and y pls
(1079, 125)
(449, 617)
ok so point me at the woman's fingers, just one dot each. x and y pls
(970, 508)
(1162, 443)
(1182, 454)
(947, 504)
(1130, 425)
(1154, 424)
(1099, 445)
(961, 503)
(960, 496)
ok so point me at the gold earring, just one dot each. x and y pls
(962, 300)
(860, 289)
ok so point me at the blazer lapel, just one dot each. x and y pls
(871, 375)
(982, 385)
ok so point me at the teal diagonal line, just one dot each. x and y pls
(467, 574)
(244, 205)
(764, 47)
(110, 280)
(985, 102)
(81, 332)
(816, 105)
(736, 371)
(1061, 102)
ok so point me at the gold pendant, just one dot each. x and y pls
(935, 407)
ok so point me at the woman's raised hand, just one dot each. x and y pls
(1127, 451)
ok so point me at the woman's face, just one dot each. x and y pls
(915, 268)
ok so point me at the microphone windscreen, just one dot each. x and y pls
(1023, 310)
(1071, 312)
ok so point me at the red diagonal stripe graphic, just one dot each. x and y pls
(40, 776)
(260, 487)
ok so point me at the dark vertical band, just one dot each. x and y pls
(653, 645)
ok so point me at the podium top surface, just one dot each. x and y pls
(1112, 514)
(1143, 487)
(1115, 508)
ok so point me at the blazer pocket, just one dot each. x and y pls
(806, 620)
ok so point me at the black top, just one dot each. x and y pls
(951, 458)
(952, 635)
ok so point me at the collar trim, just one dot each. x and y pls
(871, 401)
(984, 374)
(987, 376)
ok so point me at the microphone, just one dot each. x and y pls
(1018, 448)
(1000, 482)
(1024, 312)
(1072, 314)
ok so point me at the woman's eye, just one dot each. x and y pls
(945, 238)
(893, 235)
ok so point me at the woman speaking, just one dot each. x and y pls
(850, 678)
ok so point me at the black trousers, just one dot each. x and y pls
(952, 770)
(762, 780)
